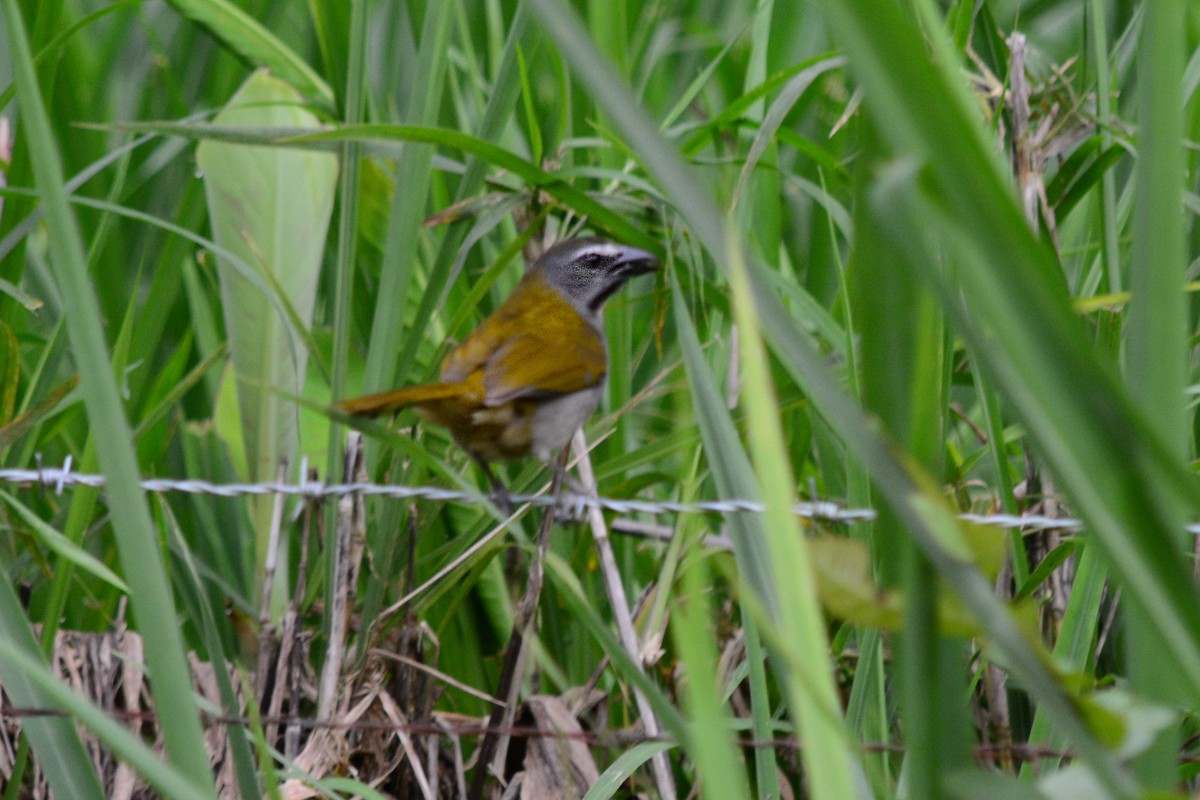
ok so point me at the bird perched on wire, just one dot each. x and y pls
(532, 373)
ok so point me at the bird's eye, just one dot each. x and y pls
(593, 260)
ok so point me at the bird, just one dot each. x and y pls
(532, 373)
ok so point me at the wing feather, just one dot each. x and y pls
(531, 366)
(536, 343)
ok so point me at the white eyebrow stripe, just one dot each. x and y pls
(602, 249)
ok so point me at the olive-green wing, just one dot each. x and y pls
(536, 343)
(536, 364)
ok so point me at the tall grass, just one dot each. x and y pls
(895, 240)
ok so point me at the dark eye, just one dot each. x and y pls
(593, 260)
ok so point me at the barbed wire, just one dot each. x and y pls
(58, 479)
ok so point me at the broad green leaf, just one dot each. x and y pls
(271, 208)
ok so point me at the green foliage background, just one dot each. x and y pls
(912, 262)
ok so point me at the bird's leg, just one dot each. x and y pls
(500, 495)
(561, 478)
(564, 484)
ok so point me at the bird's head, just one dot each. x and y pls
(589, 270)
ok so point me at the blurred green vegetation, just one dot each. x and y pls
(925, 257)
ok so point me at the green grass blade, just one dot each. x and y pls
(387, 137)
(625, 765)
(332, 24)
(730, 466)
(56, 744)
(713, 752)
(63, 546)
(1109, 221)
(1118, 470)
(1158, 345)
(566, 582)
(250, 40)
(496, 114)
(54, 46)
(932, 525)
(165, 777)
(1076, 640)
(344, 270)
(408, 206)
(829, 765)
(202, 615)
(136, 539)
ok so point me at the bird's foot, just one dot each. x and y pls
(571, 505)
(571, 496)
(499, 496)
(502, 499)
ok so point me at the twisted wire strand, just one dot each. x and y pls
(59, 478)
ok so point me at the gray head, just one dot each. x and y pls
(589, 270)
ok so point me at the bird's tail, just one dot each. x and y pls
(375, 405)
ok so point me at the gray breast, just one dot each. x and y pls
(555, 422)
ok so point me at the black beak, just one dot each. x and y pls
(629, 262)
(635, 261)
